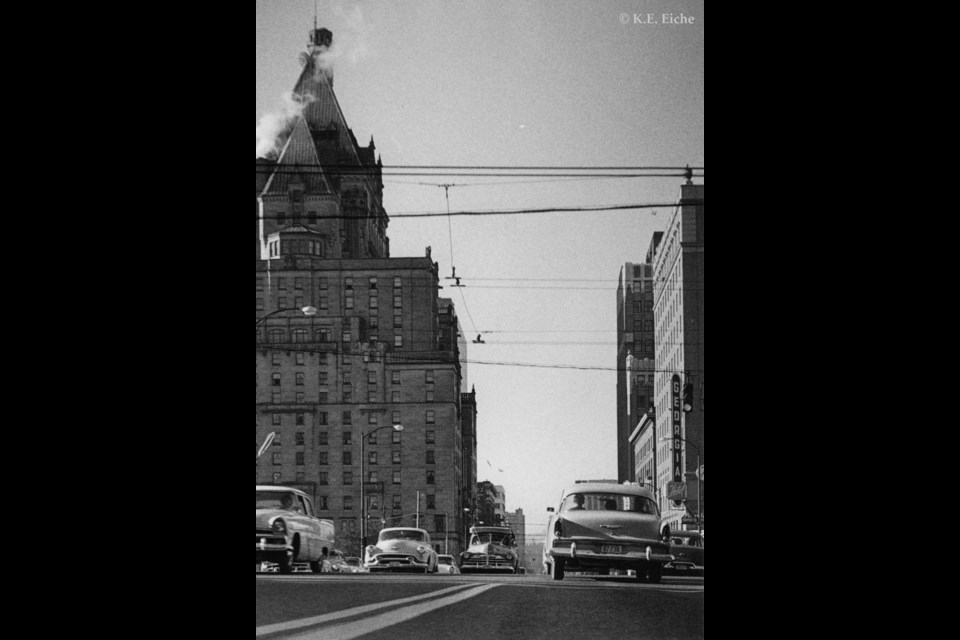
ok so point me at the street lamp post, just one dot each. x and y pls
(363, 482)
(307, 311)
(699, 495)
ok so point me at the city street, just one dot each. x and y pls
(382, 607)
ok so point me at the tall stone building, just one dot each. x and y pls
(635, 354)
(678, 318)
(375, 346)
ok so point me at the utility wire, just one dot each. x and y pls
(504, 212)
(441, 167)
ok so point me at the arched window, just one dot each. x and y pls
(301, 335)
(277, 335)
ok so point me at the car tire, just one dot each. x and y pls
(285, 564)
(556, 569)
(655, 574)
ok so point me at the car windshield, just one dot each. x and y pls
(276, 500)
(496, 537)
(353, 562)
(687, 542)
(608, 502)
(402, 534)
(445, 559)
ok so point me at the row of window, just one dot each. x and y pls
(346, 376)
(347, 419)
(323, 458)
(347, 389)
(322, 283)
(323, 477)
(346, 397)
(324, 334)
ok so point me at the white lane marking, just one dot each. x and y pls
(357, 628)
(346, 613)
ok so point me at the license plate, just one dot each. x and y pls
(394, 564)
(610, 548)
(681, 567)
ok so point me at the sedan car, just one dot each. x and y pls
(687, 548)
(447, 565)
(288, 530)
(401, 549)
(338, 563)
(492, 549)
(602, 525)
(356, 565)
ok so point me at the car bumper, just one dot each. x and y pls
(478, 565)
(406, 563)
(271, 546)
(592, 554)
(680, 567)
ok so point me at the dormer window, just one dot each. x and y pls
(296, 241)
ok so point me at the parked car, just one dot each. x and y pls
(356, 565)
(288, 530)
(401, 549)
(447, 565)
(491, 549)
(687, 549)
(603, 525)
(338, 563)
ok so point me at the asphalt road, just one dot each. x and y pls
(392, 607)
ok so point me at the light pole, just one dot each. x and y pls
(363, 481)
(307, 311)
(699, 495)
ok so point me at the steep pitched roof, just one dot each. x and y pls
(298, 163)
(322, 107)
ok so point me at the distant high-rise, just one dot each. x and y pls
(378, 348)
(635, 353)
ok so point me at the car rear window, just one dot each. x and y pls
(608, 502)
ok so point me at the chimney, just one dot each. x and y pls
(320, 42)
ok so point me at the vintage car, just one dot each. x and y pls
(602, 525)
(492, 549)
(401, 549)
(356, 565)
(447, 565)
(288, 530)
(687, 549)
(338, 563)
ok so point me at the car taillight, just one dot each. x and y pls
(279, 526)
(558, 528)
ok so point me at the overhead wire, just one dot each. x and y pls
(503, 212)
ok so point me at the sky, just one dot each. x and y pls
(518, 83)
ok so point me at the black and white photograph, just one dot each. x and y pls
(480, 319)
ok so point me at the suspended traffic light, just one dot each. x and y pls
(688, 397)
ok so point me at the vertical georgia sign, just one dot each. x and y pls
(675, 416)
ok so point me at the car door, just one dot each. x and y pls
(310, 537)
